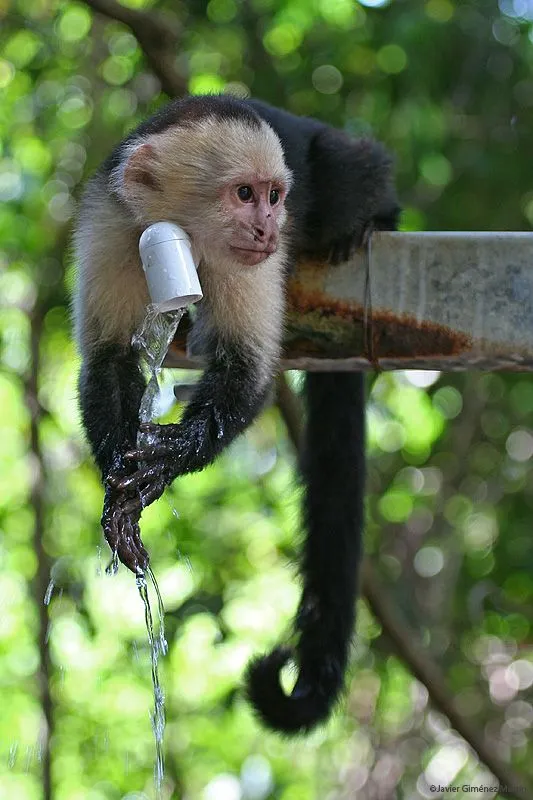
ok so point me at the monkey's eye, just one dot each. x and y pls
(274, 196)
(245, 193)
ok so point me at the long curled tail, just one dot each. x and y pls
(333, 466)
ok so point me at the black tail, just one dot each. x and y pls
(333, 467)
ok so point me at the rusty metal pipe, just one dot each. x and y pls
(413, 300)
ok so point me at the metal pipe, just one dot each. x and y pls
(413, 300)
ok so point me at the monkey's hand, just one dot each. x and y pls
(167, 452)
(344, 248)
(161, 458)
(208, 425)
(122, 531)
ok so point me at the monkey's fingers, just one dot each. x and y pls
(133, 540)
(154, 491)
(146, 496)
(343, 249)
(132, 505)
(130, 548)
(169, 432)
(110, 517)
(160, 441)
(151, 452)
(157, 442)
(122, 533)
(143, 476)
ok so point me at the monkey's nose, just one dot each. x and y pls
(259, 233)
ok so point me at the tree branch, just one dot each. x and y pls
(410, 650)
(158, 38)
(42, 575)
(405, 641)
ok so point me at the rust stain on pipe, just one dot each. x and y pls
(321, 327)
(318, 326)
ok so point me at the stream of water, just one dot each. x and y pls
(158, 646)
(153, 340)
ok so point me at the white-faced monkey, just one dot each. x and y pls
(255, 188)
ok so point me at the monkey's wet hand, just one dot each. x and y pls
(159, 441)
(122, 531)
(160, 457)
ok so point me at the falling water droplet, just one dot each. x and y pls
(98, 562)
(112, 567)
(48, 593)
(12, 757)
(163, 644)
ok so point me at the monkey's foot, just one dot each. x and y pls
(123, 533)
(344, 248)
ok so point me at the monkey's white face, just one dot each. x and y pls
(255, 212)
(223, 182)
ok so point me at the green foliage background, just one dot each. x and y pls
(449, 87)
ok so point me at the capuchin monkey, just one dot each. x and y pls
(255, 188)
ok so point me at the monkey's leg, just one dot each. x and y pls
(111, 387)
(226, 400)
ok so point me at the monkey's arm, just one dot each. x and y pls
(238, 327)
(111, 387)
(226, 400)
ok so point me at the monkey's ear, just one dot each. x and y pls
(141, 169)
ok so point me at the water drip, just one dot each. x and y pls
(158, 646)
(48, 593)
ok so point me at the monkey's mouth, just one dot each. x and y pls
(252, 255)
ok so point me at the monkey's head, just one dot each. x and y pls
(224, 180)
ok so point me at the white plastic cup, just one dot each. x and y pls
(165, 251)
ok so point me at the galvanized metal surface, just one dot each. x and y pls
(413, 300)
